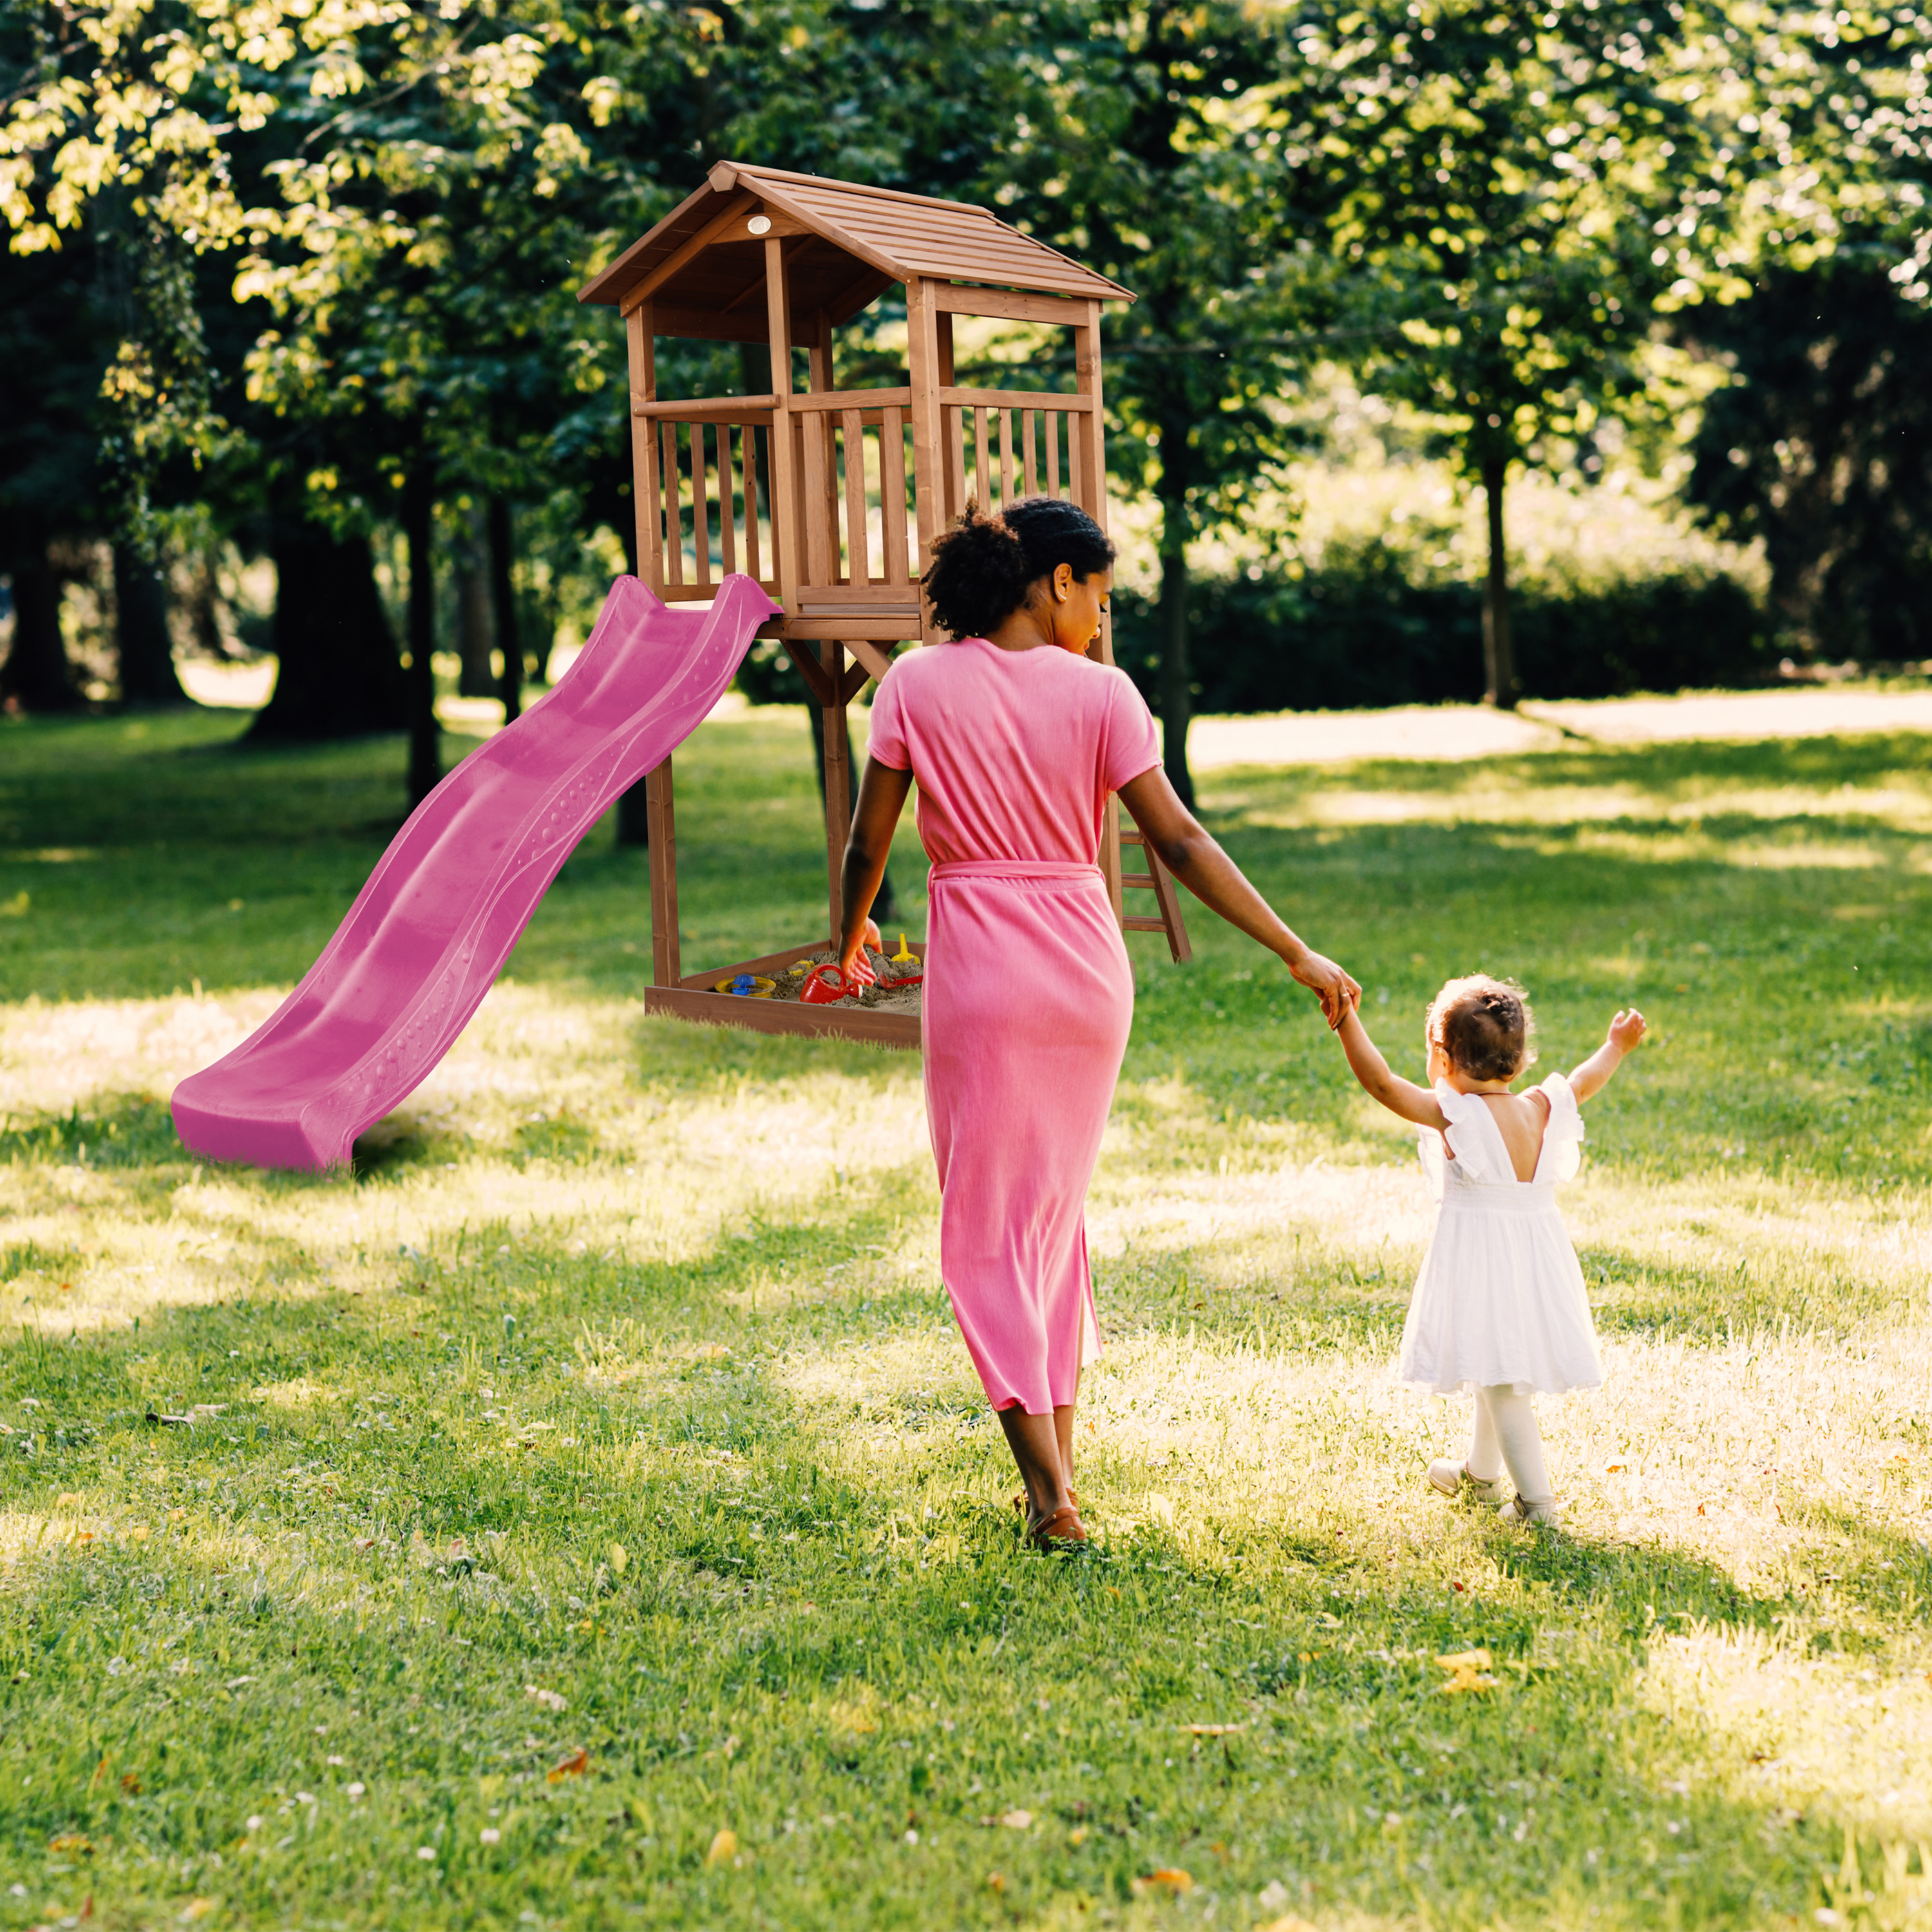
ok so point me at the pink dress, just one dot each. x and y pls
(1028, 993)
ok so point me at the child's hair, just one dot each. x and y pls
(1484, 1027)
(984, 569)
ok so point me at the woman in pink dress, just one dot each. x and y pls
(1016, 737)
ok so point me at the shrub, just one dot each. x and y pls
(1360, 631)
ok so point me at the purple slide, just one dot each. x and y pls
(429, 933)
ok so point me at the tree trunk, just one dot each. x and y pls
(1498, 654)
(1177, 676)
(885, 901)
(425, 747)
(503, 599)
(141, 631)
(37, 676)
(338, 673)
(474, 630)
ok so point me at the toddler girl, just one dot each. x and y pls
(1499, 1307)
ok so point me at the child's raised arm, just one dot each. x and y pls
(1594, 1075)
(1402, 1098)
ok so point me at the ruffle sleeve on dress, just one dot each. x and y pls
(1473, 1136)
(1563, 1138)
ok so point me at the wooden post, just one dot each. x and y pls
(927, 440)
(788, 563)
(837, 781)
(665, 966)
(1091, 492)
(644, 483)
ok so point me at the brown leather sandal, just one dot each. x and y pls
(1064, 1529)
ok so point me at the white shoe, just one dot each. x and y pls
(1451, 1478)
(1516, 1510)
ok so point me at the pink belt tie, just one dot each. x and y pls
(1015, 868)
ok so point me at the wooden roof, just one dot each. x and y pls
(845, 243)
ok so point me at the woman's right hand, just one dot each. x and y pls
(1334, 988)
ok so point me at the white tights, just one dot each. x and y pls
(1506, 1436)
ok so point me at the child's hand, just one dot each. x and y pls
(1627, 1030)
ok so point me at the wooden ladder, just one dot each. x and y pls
(1157, 880)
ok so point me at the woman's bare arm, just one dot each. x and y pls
(1185, 848)
(882, 797)
(1402, 1097)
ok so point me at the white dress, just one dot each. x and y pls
(1500, 1297)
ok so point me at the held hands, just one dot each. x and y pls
(1337, 991)
(1627, 1030)
(853, 962)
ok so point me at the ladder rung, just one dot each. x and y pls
(1144, 880)
(1145, 925)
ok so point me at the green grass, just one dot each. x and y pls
(619, 1371)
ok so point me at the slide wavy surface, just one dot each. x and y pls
(429, 932)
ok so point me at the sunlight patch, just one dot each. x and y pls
(1785, 1727)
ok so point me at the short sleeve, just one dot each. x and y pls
(886, 742)
(1133, 747)
(1563, 1138)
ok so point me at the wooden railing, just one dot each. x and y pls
(856, 464)
(853, 552)
(703, 470)
(1004, 444)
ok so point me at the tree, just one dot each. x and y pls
(1821, 446)
(1513, 194)
(1141, 153)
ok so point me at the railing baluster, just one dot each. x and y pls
(1052, 419)
(728, 502)
(1027, 425)
(982, 467)
(673, 511)
(955, 436)
(701, 506)
(1073, 465)
(751, 498)
(893, 516)
(858, 556)
(1006, 458)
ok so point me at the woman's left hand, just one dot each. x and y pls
(857, 968)
(1335, 988)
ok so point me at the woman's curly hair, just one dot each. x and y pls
(984, 567)
(1484, 1027)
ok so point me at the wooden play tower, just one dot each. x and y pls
(831, 498)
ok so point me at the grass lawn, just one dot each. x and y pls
(585, 1514)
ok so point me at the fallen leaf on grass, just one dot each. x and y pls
(1469, 1670)
(551, 1700)
(1078, 1837)
(995, 1882)
(1213, 1730)
(131, 1784)
(70, 1841)
(66, 1499)
(618, 1558)
(571, 1767)
(197, 1908)
(1017, 1821)
(723, 1848)
(1169, 1878)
